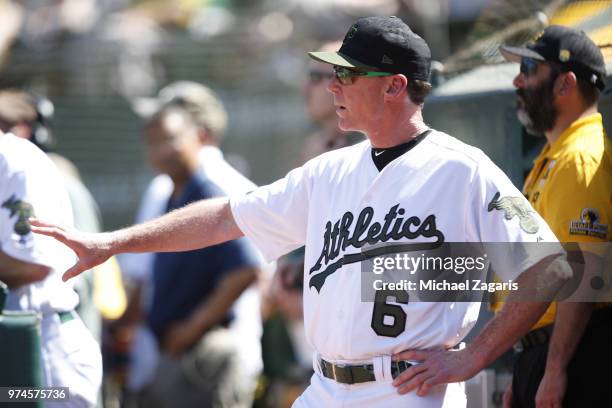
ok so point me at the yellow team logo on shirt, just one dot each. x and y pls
(589, 224)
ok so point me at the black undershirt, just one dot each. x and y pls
(382, 157)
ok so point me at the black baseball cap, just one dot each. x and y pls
(568, 47)
(384, 44)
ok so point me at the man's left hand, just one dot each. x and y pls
(551, 390)
(434, 367)
(180, 336)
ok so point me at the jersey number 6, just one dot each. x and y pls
(382, 309)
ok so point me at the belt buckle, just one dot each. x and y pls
(333, 367)
(342, 373)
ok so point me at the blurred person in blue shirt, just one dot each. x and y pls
(211, 118)
(193, 291)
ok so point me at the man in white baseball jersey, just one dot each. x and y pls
(405, 184)
(31, 265)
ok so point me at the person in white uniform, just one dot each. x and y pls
(211, 117)
(405, 184)
(31, 265)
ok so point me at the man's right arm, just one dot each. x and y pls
(198, 225)
(537, 286)
(16, 273)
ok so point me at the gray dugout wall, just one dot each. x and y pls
(486, 120)
(484, 116)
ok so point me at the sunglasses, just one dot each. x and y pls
(529, 66)
(317, 76)
(345, 76)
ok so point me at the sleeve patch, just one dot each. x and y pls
(23, 211)
(516, 206)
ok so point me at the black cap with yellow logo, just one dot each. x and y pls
(568, 47)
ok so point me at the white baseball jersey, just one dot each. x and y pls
(339, 202)
(31, 185)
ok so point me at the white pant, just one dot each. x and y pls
(71, 358)
(324, 392)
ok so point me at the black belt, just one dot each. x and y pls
(67, 316)
(534, 338)
(353, 374)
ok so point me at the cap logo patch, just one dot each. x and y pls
(386, 60)
(351, 33)
(564, 55)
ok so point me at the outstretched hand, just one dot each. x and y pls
(434, 367)
(91, 249)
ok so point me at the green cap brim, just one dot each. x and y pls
(335, 58)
